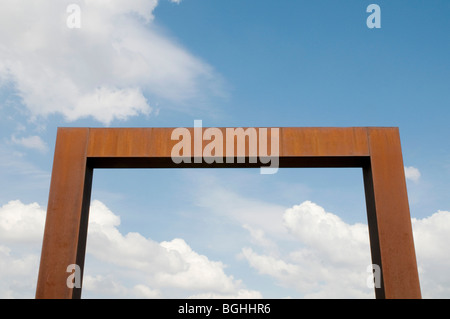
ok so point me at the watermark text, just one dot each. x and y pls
(212, 145)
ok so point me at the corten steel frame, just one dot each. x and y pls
(376, 150)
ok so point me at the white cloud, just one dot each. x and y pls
(197, 272)
(412, 173)
(136, 267)
(329, 234)
(259, 238)
(169, 265)
(113, 67)
(109, 287)
(333, 255)
(21, 229)
(142, 291)
(240, 294)
(431, 237)
(20, 223)
(33, 142)
(269, 265)
(18, 273)
(329, 260)
(324, 256)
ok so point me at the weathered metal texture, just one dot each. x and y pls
(376, 150)
(388, 215)
(67, 215)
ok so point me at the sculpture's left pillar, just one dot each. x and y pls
(66, 224)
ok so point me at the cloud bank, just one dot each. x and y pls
(156, 268)
(329, 260)
(118, 265)
(333, 256)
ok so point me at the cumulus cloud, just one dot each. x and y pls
(333, 256)
(18, 273)
(317, 253)
(326, 257)
(116, 65)
(21, 223)
(118, 265)
(169, 264)
(431, 237)
(143, 268)
(326, 232)
(21, 229)
(330, 262)
(412, 173)
(240, 294)
(260, 238)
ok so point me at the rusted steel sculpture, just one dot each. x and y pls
(377, 151)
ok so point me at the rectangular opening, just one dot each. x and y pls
(300, 233)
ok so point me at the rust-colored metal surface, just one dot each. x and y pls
(67, 215)
(377, 151)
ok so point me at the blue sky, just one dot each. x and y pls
(223, 233)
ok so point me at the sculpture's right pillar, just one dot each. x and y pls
(390, 228)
